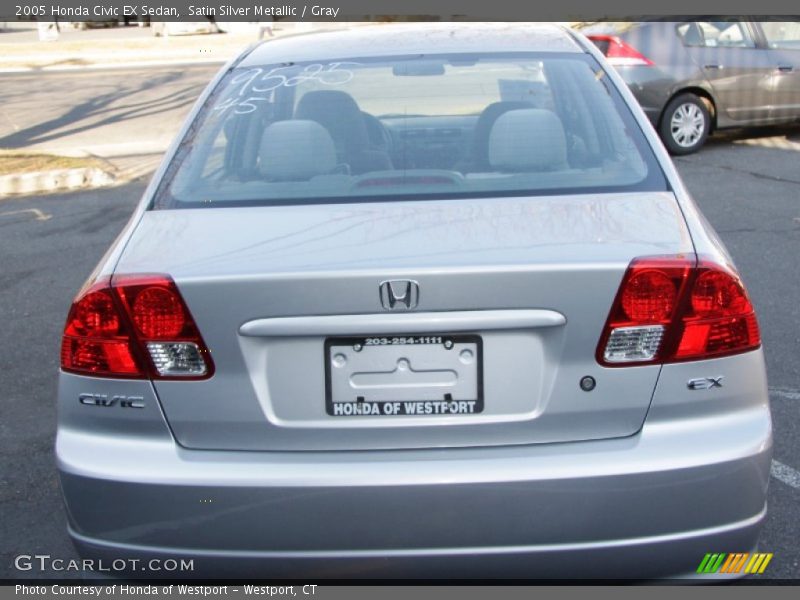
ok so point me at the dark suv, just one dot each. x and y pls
(694, 77)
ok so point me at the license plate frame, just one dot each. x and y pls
(447, 405)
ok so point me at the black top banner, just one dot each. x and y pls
(385, 10)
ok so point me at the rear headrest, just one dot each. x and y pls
(483, 128)
(296, 151)
(528, 140)
(339, 113)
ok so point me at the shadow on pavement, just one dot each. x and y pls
(121, 104)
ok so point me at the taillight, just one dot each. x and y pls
(134, 326)
(671, 309)
(619, 53)
(97, 339)
(719, 319)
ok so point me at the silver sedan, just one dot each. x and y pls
(422, 300)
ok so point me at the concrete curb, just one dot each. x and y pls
(115, 65)
(55, 180)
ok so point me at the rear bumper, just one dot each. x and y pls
(675, 556)
(645, 506)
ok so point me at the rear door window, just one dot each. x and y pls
(716, 34)
(782, 34)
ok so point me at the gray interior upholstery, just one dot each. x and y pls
(296, 150)
(483, 128)
(528, 140)
(339, 113)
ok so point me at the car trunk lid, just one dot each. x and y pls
(522, 285)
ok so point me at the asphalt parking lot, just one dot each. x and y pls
(748, 186)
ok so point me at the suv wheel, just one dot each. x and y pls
(685, 124)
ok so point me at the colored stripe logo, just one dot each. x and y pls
(755, 563)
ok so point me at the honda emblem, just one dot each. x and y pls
(400, 294)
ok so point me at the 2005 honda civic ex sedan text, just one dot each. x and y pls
(416, 301)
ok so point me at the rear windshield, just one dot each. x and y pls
(410, 127)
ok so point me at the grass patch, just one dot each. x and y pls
(11, 163)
